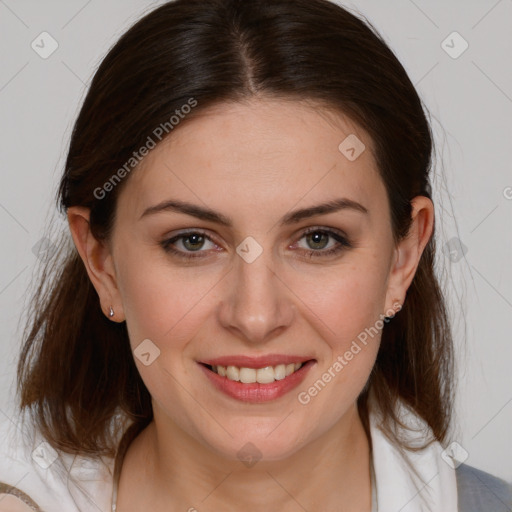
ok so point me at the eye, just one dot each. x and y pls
(191, 242)
(189, 245)
(317, 240)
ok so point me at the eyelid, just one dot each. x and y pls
(342, 241)
(326, 229)
(169, 241)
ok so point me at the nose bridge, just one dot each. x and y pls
(256, 305)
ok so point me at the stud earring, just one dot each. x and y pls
(111, 312)
(396, 308)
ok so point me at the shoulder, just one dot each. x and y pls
(33, 473)
(480, 491)
(17, 477)
(13, 500)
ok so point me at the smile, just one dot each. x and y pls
(251, 375)
(256, 384)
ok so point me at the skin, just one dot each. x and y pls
(253, 162)
(10, 503)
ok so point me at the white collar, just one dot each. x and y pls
(398, 488)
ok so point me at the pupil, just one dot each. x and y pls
(317, 238)
(196, 239)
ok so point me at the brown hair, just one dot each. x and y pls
(76, 369)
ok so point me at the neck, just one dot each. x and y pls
(169, 466)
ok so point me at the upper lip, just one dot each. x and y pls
(255, 362)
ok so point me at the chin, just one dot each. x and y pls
(251, 445)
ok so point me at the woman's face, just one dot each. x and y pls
(255, 285)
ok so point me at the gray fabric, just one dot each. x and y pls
(482, 492)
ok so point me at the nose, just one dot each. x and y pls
(257, 304)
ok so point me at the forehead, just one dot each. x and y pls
(261, 152)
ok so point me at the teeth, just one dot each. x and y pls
(233, 373)
(280, 372)
(248, 375)
(262, 375)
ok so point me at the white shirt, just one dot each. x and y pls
(60, 482)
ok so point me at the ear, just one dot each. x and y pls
(98, 261)
(409, 250)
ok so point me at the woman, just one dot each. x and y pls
(248, 316)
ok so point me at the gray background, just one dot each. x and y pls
(469, 97)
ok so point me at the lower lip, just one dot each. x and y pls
(257, 392)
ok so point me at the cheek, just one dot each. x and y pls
(345, 300)
(345, 305)
(161, 302)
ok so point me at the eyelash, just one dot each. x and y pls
(343, 243)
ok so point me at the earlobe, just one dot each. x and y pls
(97, 260)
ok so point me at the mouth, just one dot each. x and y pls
(265, 375)
(257, 381)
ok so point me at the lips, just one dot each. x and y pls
(256, 391)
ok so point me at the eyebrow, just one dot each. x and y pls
(294, 217)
